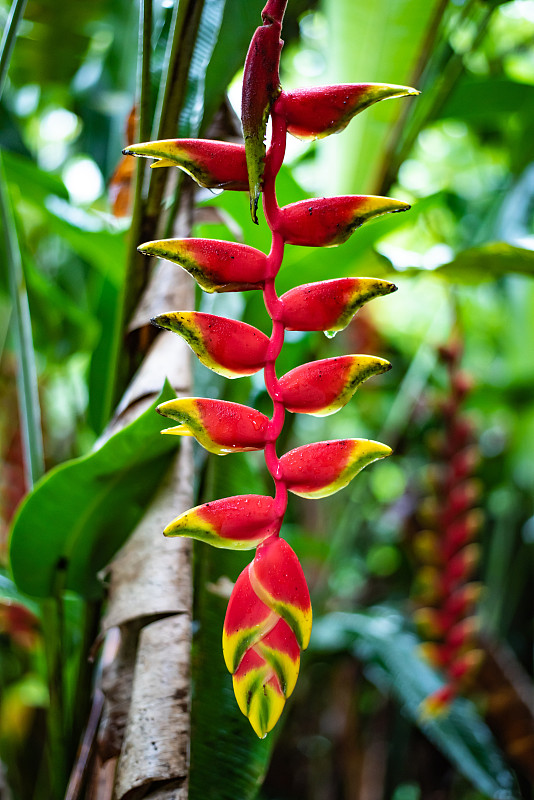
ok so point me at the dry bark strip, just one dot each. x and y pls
(143, 738)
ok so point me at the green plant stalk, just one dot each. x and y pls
(427, 111)
(131, 284)
(8, 39)
(428, 47)
(55, 746)
(183, 44)
(147, 210)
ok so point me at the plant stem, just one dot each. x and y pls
(273, 305)
(56, 739)
(147, 209)
(8, 38)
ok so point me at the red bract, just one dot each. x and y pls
(216, 266)
(237, 523)
(322, 110)
(225, 346)
(323, 468)
(213, 165)
(329, 305)
(219, 426)
(323, 387)
(329, 221)
(268, 621)
(261, 87)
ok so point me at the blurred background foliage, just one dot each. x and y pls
(463, 258)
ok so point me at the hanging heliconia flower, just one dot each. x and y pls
(445, 550)
(268, 621)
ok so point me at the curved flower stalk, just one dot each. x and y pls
(446, 552)
(268, 621)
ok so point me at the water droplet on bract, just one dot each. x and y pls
(329, 334)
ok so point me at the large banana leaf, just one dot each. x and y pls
(79, 514)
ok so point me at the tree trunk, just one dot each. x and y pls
(142, 742)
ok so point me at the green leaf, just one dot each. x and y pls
(81, 512)
(488, 262)
(101, 369)
(487, 100)
(103, 249)
(34, 184)
(209, 28)
(238, 24)
(378, 639)
(389, 37)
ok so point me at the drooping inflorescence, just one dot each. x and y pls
(446, 550)
(268, 621)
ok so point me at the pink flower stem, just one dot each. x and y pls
(273, 162)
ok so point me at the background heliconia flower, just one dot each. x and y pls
(448, 556)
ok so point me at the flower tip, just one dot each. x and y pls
(161, 321)
(254, 199)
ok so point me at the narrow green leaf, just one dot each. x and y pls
(8, 38)
(378, 638)
(102, 367)
(28, 397)
(81, 512)
(208, 31)
(238, 24)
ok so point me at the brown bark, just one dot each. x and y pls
(143, 739)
